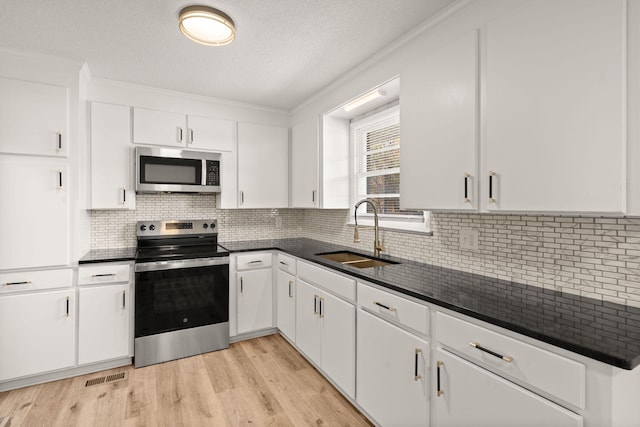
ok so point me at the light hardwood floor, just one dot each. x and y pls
(263, 381)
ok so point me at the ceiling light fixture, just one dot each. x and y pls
(206, 25)
(364, 99)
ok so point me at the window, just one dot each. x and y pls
(375, 152)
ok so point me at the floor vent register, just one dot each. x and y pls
(106, 379)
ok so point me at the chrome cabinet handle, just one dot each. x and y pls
(59, 148)
(190, 136)
(315, 304)
(67, 314)
(124, 195)
(439, 390)
(124, 300)
(104, 275)
(16, 283)
(284, 263)
(491, 198)
(466, 188)
(290, 288)
(491, 352)
(241, 285)
(386, 307)
(313, 196)
(416, 376)
(321, 307)
(242, 197)
(59, 179)
(178, 134)
(259, 261)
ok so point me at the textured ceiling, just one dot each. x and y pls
(284, 52)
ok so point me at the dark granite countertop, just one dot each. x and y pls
(600, 330)
(108, 255)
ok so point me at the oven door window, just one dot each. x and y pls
(165, 170)
(169, 300)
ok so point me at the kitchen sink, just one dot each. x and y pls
(355, 260)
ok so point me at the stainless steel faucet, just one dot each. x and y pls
(377, 244)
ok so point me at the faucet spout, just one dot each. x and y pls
(377, 245)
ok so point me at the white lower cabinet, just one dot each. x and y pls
(326, 333)
(104, 323)
(254, 292)
(393, 380)
(37, 333)
(286, 304)
(468, 395)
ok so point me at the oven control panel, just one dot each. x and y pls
(176, 227)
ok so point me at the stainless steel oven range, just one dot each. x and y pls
(181, 291)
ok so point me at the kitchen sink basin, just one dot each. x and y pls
(355, 260)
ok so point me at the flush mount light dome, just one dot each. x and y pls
(206, 25)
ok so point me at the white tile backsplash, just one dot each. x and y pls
(594, 257)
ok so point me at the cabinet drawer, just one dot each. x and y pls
(546, 371)
(35, 280)
(397, 309)
(254, 260)
(287, 263)
(109, 273)
(333, 282)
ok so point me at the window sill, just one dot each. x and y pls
(403, 227)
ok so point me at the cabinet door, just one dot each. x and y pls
(338, 341)
(35, 193)
(255, 300)
(208, 133)
(33, 118)
(388, 360)
(555, 108)
(304, 164)
(307, 320)
(286, 304)
(263, 165)
(474, 396)
(112, 183)
(37, 333)
(439, 129)
(159, 127)
(104, 317)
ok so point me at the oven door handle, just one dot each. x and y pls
(182, 263)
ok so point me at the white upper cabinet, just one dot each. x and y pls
(263, 166)
(439, 138)
(159, 127)
(320, 163)
(112, 176)
(170, 129)
(554, 122)
(33, 118)
(304, 164)
(208, 133)
(34, 218)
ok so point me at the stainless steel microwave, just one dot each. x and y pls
(167, 170)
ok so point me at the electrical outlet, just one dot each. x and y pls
(469, 239)
(278, 222)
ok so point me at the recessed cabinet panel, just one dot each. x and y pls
(304, 165)
(555, 108)
(286, 304)
(33, 118)
(35, 212)
(439, 128)
(468, 395)
(255, 300)
(208, 133)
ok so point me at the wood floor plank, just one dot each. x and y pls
(259, 382)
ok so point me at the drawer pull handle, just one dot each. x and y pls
(16, 283)
(104, 275)
(416, 376)
(284, 263)
(386, 307)
(439, 390)
(493, 353)
(255, 262)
